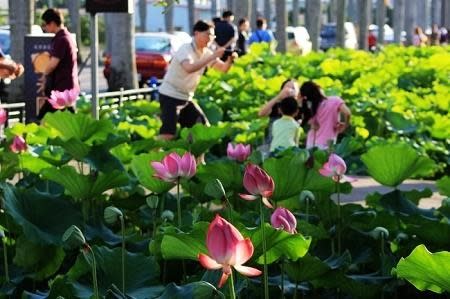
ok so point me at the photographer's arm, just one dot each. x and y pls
(224, 66)
(267, 107)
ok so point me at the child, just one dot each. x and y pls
(286, 130)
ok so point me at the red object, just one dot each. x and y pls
(372, 40)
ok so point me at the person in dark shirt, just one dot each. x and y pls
(61, 73)
(242, 42)
(226, 32)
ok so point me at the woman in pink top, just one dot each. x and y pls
(326, 116)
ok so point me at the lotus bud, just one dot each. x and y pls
(167, 215)
(73, 238)
(215, 189)
(306, 195)
(378, 232)
(112, 214)
(152, 201)
(3, 116)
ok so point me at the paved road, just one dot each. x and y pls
(366, 185)
(85, 79)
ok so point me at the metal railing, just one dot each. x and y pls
(108, 101)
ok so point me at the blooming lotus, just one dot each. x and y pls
(3, 116)
(335, 167)
(18, 145)
(284, 219)
(173, 167)
(239, 152)
(227, 248)
(258, 183)
(63, 99)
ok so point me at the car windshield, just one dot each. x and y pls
(152, 44)
(4, 43)
(328, 31)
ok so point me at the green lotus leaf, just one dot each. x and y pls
(73, 146)
(291, 176)
(279, 244)
(185, 245)
(33, 164)
(85, 186)
(443, 185)
(141, 272)
(228, 172)
(41, 261)
(306, 268)
(144, 172)
(78, 126)
(391, 164)
(43, 219)
(426, 270)
(200, 138)
(198, 289)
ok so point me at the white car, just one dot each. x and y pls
(298, 40)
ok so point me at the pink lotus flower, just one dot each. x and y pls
(173, 167)
(18, 145)
(227, 248)
(335, 167)
(239, 152)
(63, 99)
(284, 219)
(258, 183)
(3, 116)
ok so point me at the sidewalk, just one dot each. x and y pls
(366, 185)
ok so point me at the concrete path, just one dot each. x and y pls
(366, 185)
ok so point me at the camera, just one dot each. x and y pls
(228, 52)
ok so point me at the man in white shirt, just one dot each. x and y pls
(182, 78)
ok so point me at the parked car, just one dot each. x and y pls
(154, 50)
(328, 36)
(298, 40)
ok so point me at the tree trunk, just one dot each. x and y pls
(168, 16)
(295, 12)
(340, 20)
(422, 14)
(281, 17)
(73, 7)
(231, 5)
(143, 15)
(123, 60)
(445, 13)
(214, 10)
(254, 14)
(352, 11)
(267, 13)
(332, 11)
(381, 17)
(410, 20)
(191, 15)
(243, 10)
(399, 20)
(21, 17)
(364, 18)
(314, 12)
(436, 12)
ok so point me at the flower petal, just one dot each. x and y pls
(247, 271)
(208, 262)
(248, 196)
(266, 202)
(223, 279)
(244, 251)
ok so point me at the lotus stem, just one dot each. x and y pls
(122, 226)
(266, 275)
(94, 271)
(179, 224)
(230, 209)
(296, 287)
(307, 209)
(282, 278)
(339, 217)
(5, 257)
(231, 285)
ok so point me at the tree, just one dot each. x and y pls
(314, 12)
(254, 13)
(214, 10)
(340, 20)
(399, 20)
(295, 12)
(352, 11)
(168, 16)
(436, 12)
(123, 59)
(143, 15)
(242, 9)
(332, 11)
(410, 20)
(422, 13)
(191, 15)
(381, 16)
(267, 13)
(21, 17)
(281, 17)
(231, 5)
(75, 27)
(445, 13)
(364, 18)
